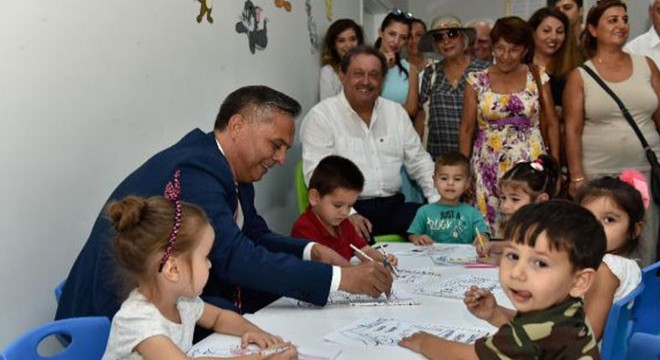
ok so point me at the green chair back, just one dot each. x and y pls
(301, 188)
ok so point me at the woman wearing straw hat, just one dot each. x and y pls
(443, 83)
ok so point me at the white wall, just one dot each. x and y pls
(89, 90)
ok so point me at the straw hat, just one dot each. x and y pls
(441, 23)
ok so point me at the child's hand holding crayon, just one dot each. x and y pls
(393, 260)
(481, 303)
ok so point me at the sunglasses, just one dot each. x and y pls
(449, 34)
(399, 12)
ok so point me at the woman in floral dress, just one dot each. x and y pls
(501, 122)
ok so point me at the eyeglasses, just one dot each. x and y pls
(513, 52)
(449, 34)
(399, 12)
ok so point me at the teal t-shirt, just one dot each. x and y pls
(449, 224)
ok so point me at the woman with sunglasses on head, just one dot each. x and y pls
(599, 140)
(506, 114)
(401, 79)
(441, 94)
(342, 35)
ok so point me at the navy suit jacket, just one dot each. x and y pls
(252, 257)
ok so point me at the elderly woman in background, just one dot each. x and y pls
(342, 35)
(599, 141)
(502, 103)
(443, 83)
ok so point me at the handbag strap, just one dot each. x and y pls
(624, 110)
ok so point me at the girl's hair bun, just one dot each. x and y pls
(126, 213)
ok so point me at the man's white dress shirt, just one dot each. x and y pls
(647, 44)
(332, 127)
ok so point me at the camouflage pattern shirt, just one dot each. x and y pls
(560, 332)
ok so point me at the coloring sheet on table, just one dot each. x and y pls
(342, 298)
(448, 254)
(456, 287)
(417, 250)
(417, 276)
(232, 348)
(378, 331)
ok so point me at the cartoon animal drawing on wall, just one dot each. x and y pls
(205, 8)
(328, 10)
(285, 4)
(311, 26)
(249, 24)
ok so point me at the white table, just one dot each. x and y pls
(307, 327)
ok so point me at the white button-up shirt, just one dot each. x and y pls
(332, 127)
(647, 44)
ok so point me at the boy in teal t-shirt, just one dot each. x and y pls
(449, 220)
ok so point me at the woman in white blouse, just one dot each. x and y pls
(342, 35)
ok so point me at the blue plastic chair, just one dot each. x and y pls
(619, 327)
(89, 336)
(638, 312)
(644, 346)
(58, 290)
(647, 307)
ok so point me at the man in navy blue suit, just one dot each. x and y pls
(251, 264)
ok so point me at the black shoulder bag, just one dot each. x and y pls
(650, 155)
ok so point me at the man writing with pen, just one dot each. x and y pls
(378, 136)
(333, 189)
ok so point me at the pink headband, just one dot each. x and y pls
(172, 193)
(637, 180)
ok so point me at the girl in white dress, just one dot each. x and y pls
(619, 204)
(163, 245)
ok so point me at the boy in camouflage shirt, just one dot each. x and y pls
(547, 267)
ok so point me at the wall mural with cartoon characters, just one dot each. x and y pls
(285, 4)
(249, 24)
(311, 27)
(254, 24)
(205, 8)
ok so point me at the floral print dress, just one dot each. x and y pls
(508, 131)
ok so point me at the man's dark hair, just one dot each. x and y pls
(567, 226)
(335, 172)
(257, 97)
(363, 50)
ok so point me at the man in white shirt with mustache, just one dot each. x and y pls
(378, 136)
